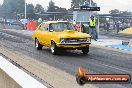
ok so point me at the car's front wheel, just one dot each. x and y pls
(53, 48)
(38, 45)
(85, 50)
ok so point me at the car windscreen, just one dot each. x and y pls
(61, 26)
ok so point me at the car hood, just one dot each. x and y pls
(72, 34)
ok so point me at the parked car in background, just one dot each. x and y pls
(17, 23)
(9, 21)
(24, 21)
(1, 20)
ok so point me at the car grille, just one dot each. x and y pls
(75, 40)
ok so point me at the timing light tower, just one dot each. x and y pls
(82, 13)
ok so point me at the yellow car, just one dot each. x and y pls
(60, 35)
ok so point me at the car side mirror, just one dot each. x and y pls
(40, 26)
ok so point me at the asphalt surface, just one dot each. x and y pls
(98, 61)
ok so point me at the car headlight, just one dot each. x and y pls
(88, 40)
(85, 40)
(62, 40)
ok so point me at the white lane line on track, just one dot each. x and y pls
(22, 78)
(114, 67)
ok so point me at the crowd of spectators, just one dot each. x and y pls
(118, 25)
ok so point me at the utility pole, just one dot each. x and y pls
(90, 3)
(98, 25)
(25, 9)
(90, 6)
(25, 15)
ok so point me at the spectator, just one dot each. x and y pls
(92, 27)
(39, 21)
(107, 26)
(118, 26)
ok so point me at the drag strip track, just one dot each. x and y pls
(98, 61)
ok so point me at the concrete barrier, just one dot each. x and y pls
(13, 77)
(6, 81)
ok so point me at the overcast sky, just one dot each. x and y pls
(106, 5)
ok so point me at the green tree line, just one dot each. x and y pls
(16, 8)
(12, 9)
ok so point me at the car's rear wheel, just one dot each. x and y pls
(38, 45)
(85, 50)
(53, 47)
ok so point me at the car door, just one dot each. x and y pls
(45, 34)
(39, 33)
(48, 35)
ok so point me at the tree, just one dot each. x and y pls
(63, 11)
(30, 11)
(74, 3)
(59, 9)
(115, 11)
(30, 8)
(126, 13)
(11, 8)
(118, 12)
(39, 9)
(51, 7)
(77, 3)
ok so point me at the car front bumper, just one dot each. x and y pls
(73, 45)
